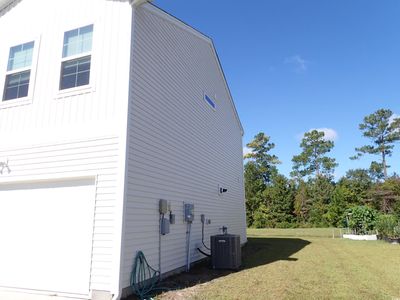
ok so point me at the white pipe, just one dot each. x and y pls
(189, 228)
(159, 243)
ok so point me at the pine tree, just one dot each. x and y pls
(383, 130)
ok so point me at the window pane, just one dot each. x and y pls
(70, 67)
(68, 82)
(23, 90)
(83, 78)
(17, 85)
(84, 65)
(78, 41)
(10, 93)
(75, 73)
(24, 77)
(20, 56)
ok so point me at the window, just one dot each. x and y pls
(76, 61)
(209, 101)
(18, 71)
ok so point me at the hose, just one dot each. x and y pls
(144, 278)
(202, 236)
(202, 252)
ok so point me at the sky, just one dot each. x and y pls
(293, 66)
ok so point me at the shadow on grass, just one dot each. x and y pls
(262, 251)
(257, 252)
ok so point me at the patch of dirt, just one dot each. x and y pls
(185, 294)
(185, 285)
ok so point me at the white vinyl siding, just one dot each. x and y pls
(73, 134)
(180, 148)
(63, 161)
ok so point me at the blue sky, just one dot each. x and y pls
(297, 65)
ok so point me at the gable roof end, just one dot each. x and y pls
(181, 24)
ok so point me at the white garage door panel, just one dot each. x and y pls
(46, 236)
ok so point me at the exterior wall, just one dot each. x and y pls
(82, 133)
(180, 149)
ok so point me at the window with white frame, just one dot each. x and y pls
(76, 58)
(18, 71)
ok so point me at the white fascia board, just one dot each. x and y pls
(171, 19)
(139, 2)
(221, 70)
(5, 3)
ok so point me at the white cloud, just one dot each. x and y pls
(394, 116)
(330, 134)
(299, 63)
(246, 151)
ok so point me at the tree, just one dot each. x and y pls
(278, 199)
(376, 171)
(320, 192)
(258, 172)
(302, 203)
(342, 197)
(357, 182)
(383, 130)
(385, 196)
(313, 159)
(350, 190)
(254, 187)
(266, 163)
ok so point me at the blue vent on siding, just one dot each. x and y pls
(209, 101)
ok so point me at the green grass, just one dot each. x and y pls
(309, 264)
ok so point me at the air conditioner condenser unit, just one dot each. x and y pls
(226, 251)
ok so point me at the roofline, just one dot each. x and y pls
(5, 5)
(167, 16)
(156, 9)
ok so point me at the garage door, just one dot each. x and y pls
(46, 235)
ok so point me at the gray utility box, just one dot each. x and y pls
(226, 252)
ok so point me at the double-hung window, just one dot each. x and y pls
(19, 69)
(76, 61)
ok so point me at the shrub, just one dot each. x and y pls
(285, 225)
(396, 231)
(388, 226)
(260, 218)
(360, 219)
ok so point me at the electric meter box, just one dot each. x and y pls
(188, 211)
(172, 219)
(163, 206)
(164, 228)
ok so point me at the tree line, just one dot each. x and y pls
(311, 196)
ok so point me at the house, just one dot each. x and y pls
(107, 107)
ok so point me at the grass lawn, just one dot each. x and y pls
(306, 264)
